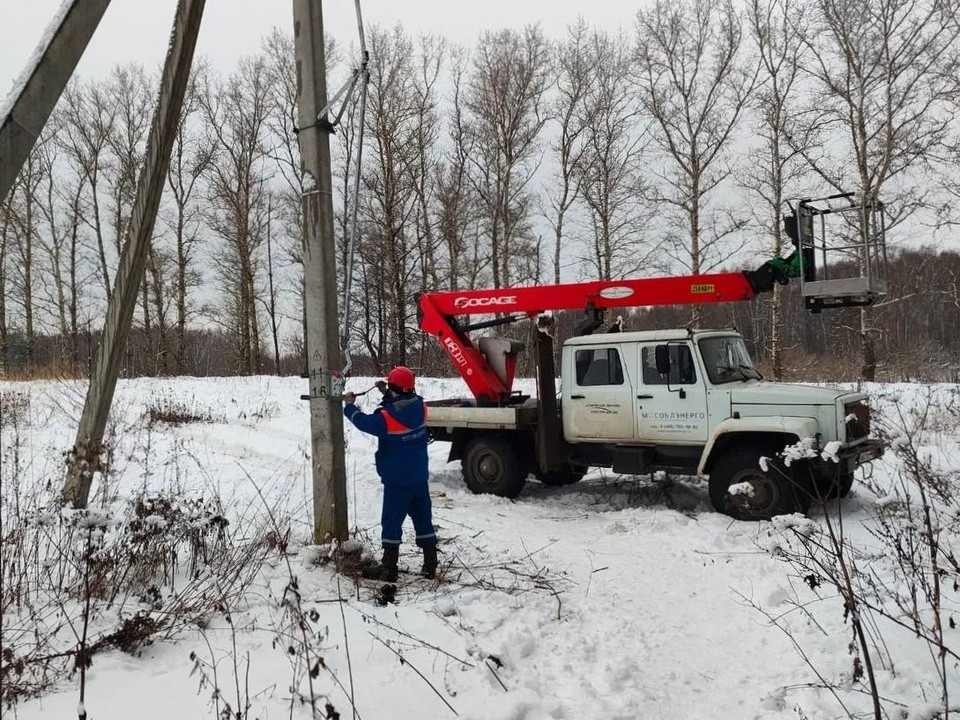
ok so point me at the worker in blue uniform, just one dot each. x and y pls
(399, 422)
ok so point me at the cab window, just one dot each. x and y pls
(682, 370)
(727, 360)
(599, 366)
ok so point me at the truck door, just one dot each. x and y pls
(599, 405)
(671, 408)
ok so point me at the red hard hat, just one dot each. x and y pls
(401, 377)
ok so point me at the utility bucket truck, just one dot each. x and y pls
(684, 401)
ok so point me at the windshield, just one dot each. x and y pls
(726, 360)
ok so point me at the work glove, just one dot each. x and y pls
(382, 386)
(349, 398)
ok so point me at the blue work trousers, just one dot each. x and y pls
(400, 500)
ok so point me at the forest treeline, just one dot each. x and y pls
(669, 147)
(918, 330)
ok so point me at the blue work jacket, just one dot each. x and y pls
(400, 424)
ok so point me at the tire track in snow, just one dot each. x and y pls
(649, 626)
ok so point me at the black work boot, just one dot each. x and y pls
(387, 569)
(429, 569)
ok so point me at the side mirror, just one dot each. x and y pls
(663, 359)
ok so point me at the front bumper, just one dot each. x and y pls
(862, 452)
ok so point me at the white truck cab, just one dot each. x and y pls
(689, 402)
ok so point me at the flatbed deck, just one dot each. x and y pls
(451, 414)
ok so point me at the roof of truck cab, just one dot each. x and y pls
(643, 336)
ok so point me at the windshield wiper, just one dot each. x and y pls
(729, 373)
(750, 367)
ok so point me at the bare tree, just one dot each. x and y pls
(389, 250)
(694, 87)
(281, 123)
(6, 242)
(159, 292)
(887, 71)
(37, 222)
(281, 127)
(284, 151)
(189, 161)
(59, 204)
(777, 167)
(52, 236)
(72, 270)
(270, 303)
(948, 212)
(90, 117)
(75, 280)
(345, 170)
(506, 104)
(24, 210)
(431, 52)
(456, 199)
(574, 78)
(130, 90)
(609, 169)
(235, 112)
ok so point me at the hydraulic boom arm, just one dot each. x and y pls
(441, 309)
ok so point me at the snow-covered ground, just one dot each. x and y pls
(617, 597)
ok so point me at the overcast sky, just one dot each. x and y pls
(137, 30)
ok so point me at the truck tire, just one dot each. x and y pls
(834, 486)
(780, 491)
(490, 465)
(846, 484)
(558, 478)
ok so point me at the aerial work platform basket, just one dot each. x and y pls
(843, 251)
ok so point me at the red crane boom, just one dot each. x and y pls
(489, 371)
(440, 311)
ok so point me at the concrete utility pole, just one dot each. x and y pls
(319, 267)
(85, 457)
(31, 109)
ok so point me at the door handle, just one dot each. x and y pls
(644, 397)
(578, 397)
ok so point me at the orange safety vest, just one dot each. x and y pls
(395, 427)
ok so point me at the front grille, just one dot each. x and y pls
(857, 420)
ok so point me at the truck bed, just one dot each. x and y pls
(450, 414)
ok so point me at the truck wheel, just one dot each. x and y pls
(567, 476)
(846, 484)
(490, 465)
(779, 492)
(833, 486)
